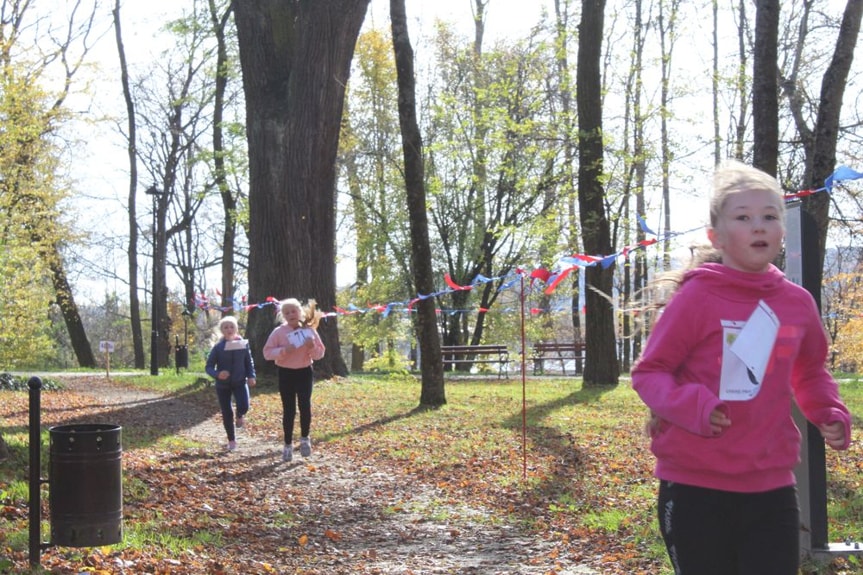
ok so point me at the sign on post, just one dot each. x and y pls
(107, 347)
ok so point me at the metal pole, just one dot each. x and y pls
(154, 334)
(35, 385)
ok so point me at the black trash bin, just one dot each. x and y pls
(181, 357)
(86, 485)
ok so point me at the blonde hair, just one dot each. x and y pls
(229, 319)
(732, 177)
(217, 331)
(310, 315)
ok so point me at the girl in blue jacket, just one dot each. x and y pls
(230, 364)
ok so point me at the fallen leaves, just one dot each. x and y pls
(386, 491)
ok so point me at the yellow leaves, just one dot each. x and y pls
(303, 540)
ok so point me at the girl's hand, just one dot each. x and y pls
(833, 434)
(224, 374)
(718, 421)
(251, 381)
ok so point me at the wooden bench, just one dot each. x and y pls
(455, 355)
(558, 351)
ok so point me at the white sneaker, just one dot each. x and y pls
(288, 453)
(305, 446)
(232, 446)
(241, 422)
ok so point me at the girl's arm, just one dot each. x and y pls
(815, 390)
(250, 367)
(212, 361)
(273, 347)
(657, 379)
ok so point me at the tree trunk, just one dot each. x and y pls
(132, 250)
(765, 87)
(601, 367)
(66, 301)
(229, 203)
(295, 59)
(432, 393)
(742, 81)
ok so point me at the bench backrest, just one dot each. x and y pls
(559, 346)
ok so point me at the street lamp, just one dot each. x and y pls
(154, 336)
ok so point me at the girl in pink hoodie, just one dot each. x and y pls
(722, 429)
(294, 346)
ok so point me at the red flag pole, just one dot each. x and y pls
(523, 391)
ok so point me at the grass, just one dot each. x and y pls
(569, 462)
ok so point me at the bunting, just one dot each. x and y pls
(550, 278)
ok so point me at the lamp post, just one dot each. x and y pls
(157, 284)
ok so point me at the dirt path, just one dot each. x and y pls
(362, 519)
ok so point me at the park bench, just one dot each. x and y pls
(455, 355)
(558, 351)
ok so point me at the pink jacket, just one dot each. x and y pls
(286, 347)
(678, 374)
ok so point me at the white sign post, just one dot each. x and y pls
(107, 347)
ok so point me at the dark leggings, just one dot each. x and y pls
(295, 387)
(711, 532)
(240, 394)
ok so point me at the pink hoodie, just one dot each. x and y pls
(677, 377)
(288, 352)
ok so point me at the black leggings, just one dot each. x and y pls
(295, 387)
(712, 532)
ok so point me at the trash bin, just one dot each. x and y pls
(86, 485)
(181, 357)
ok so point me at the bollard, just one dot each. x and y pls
(86, 491)
(35, 385)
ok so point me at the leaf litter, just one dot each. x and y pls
(341, 511)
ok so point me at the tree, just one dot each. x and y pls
(369, 155)
(295, 59)
(569, 135)
(602, 367)
(421, 260)
(820, 139)
(219, 19)
(32, 117)
(765, 93)
(493, 169)
(131, 204)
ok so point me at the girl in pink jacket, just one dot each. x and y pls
(732, 349)
(294, 346)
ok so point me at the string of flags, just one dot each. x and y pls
(550, 278)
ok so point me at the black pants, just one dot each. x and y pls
(711, 532)
(295, 388)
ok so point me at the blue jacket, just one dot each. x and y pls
(238, 362)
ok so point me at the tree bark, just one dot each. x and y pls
(601, 365)
(432, 393)
(295, 59)
(765, 87)
(69, 309)
(132, 249)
